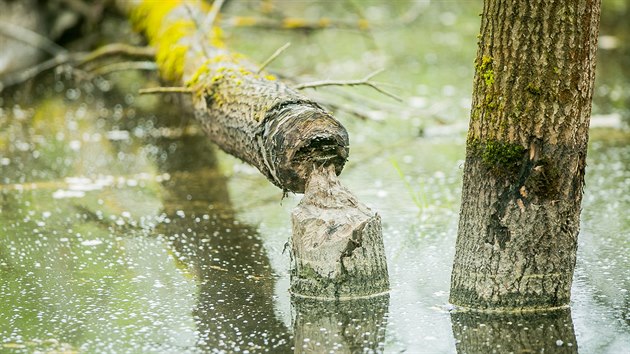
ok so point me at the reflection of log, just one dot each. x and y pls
(285, 135)
(354, 326)
(235, 305)
(550, 332)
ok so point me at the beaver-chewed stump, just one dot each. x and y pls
(337, 244)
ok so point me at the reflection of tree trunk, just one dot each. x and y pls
(235, 307)
(524, 333)
(353, 326)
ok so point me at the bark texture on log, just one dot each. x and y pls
(250, 115)
(337, 244)
(525, 156)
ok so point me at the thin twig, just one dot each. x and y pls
(273, 57)
(75, 59)
(31, 72)
(124, 66)
(362, 82)
(31, 38)
(199, 27)
(115, 49)
(160, 89)
(212, 16)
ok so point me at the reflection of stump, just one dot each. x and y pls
(353, 326)
(550, 332)
(337, 244)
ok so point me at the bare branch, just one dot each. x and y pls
(161, 89)
(362, 82)
(125, 66)
(212, 16)
(115, 49)
(31, 38)
(31, 72)
(273, 57)
(78, 59)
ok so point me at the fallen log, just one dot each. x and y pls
(291, 139)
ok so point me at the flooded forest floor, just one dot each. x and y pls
(123, 229)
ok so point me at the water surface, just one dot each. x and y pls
(122, 229)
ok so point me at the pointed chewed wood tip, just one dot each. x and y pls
(337, 247)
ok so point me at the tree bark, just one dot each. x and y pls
(525, 154)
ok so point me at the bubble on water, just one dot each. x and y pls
(559, 342)
(72, 125)
(73, 94)
(94, 242)
(63, 194)
(448, 18)
(117, 135)
(103, 84)
(448, 90)
(22, 146)
(75, 145)
(58, 86)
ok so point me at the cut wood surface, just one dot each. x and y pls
(337, 246)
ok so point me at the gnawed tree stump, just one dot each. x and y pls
(259, 119)
(337, 243)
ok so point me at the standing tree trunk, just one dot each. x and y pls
(525, 154)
